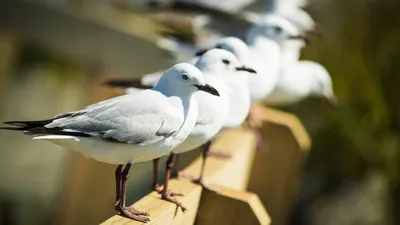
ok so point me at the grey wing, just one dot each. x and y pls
(142, 129)
(138, 119)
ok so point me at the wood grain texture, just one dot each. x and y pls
(276, 171)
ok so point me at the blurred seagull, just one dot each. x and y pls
(130, 128)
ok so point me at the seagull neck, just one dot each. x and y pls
(290, 52)
(262, 43)
(190, 113)
(168, 89)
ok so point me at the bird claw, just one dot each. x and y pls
(169, 198)
(133, 214)
(159, 190)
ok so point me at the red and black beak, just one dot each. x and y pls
(303, 37)
(317, 31)
(201, 52)
(332, 101)
(208, 88)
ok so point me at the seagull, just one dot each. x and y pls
(223, 71)
(130, 128)
(262, 51)
(211, 20)
(297, 79)
(300, 80)
(293, 11)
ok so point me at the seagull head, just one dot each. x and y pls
(322, 86)
(183, 78)
(234, 45)
(301, 19)
(219, 61)
(277, 28)
(231, 44)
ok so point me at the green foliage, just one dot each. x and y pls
(361, 49)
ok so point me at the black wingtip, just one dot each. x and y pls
(23, 125)
(16, 123)
(12, 128)
(125, 83)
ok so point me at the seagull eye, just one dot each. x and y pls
(185, 77)
(226, 62)
(218, 46)
(277, 29)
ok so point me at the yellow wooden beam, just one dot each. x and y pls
(277, 169)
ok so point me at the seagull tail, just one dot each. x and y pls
(36, 128)
(25, 125)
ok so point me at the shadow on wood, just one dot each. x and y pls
(233, 172)
(230, 207)
(277, 170)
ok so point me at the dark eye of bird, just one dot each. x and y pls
(278, 29)
(218, 46)
(185, 77)
(225, 61)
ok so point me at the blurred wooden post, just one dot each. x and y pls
(233, 172)
(277, 170)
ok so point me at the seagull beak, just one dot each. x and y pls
(244, 68)
(201, 52)
(208, 88)
(301, 37)
(332, 100)
(318, 31)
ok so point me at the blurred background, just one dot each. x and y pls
(54, 55)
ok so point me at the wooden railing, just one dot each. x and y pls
(254, 186)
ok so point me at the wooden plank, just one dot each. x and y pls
(276, 171)
(233, 172)
(231, 207)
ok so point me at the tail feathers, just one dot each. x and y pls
(13, 128)
(38, 128)
(126, 83)
(25, 125)
(29, 124)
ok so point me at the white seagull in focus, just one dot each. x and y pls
(130, 128)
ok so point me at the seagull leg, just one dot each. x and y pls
(157, 187)
(176, 164)
(118, 178)
(254, 123)
(165, 194)
(200, 179)
(121, 179)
